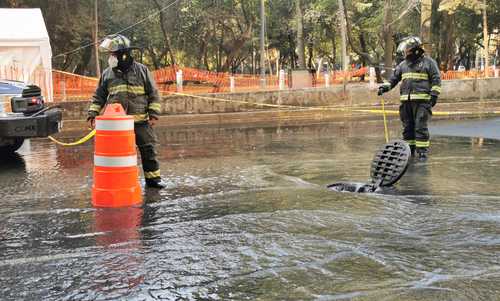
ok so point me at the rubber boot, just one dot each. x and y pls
(156, 183)
(412, 149)
(422, 154)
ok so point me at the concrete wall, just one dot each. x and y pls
(354, 95)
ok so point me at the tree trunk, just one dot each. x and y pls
(334, 51)
(233, 48)
(486, 38)
(345, 27)
(300, 35)
(154, 58)
(291, 53)
(165, 33)
(388, 41)
(253, 59)
(438, 25)
(96, 40)
(310, 51)
(448, 38)
(362, 44)
(425, 25)
(344, 34)
(262, 44)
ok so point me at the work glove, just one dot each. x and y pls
(91, 119)
(153, 118)
(383, 89)
(434, 100)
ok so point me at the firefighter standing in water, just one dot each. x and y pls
(130, 84)
(419, 91)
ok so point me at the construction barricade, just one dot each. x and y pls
(73, 87)
(116, 176)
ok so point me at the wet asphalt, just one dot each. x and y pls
(247, 216)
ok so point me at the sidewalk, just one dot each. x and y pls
(448, 110)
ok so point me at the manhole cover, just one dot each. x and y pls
(390, 163)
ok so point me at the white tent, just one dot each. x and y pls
(25, 52)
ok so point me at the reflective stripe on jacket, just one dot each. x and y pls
(420, 79)
(135, 90)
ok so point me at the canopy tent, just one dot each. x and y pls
(25, 52)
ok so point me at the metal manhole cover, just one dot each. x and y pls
(390, 163)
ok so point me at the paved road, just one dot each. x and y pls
(488, 128)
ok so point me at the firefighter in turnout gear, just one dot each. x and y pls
(419, 91)
(130, 84)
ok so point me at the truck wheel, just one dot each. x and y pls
(10, 145)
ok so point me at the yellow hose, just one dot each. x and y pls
(386, 131)
(81, 141)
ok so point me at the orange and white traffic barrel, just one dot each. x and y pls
(116, 176)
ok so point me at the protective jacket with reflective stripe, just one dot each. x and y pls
(135, 90)
(420, 79)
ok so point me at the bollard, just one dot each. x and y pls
(372, 78)
(116, 176)
(282, 80)
(232, 84)
(327, 80)
(179, 80)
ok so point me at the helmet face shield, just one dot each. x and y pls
(114, 43)
(409, 46)
(401, 49)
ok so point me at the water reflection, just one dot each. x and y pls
(118, 226)
(121, 268)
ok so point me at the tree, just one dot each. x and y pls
(300, 35)
(425, 25)
(221, 35)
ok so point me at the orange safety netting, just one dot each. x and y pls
(450, 75)
(71, 87)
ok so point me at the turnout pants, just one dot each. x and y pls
(415, 116)
(145, 139)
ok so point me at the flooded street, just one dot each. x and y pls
(247, 216)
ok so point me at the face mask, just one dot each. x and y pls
(113, 61)
(414, 55)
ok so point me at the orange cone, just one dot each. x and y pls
(116, 177)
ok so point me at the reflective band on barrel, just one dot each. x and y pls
(115, 125)
(126, 161)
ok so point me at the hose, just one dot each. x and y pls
(78, 142)
(386, 131)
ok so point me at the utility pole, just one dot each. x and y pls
(96, 40)
(262, 44)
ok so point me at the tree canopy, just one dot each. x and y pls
(223, 35)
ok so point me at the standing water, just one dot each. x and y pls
(247, 216)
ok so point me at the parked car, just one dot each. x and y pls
(28, 117)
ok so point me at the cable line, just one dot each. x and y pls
(121, 31)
